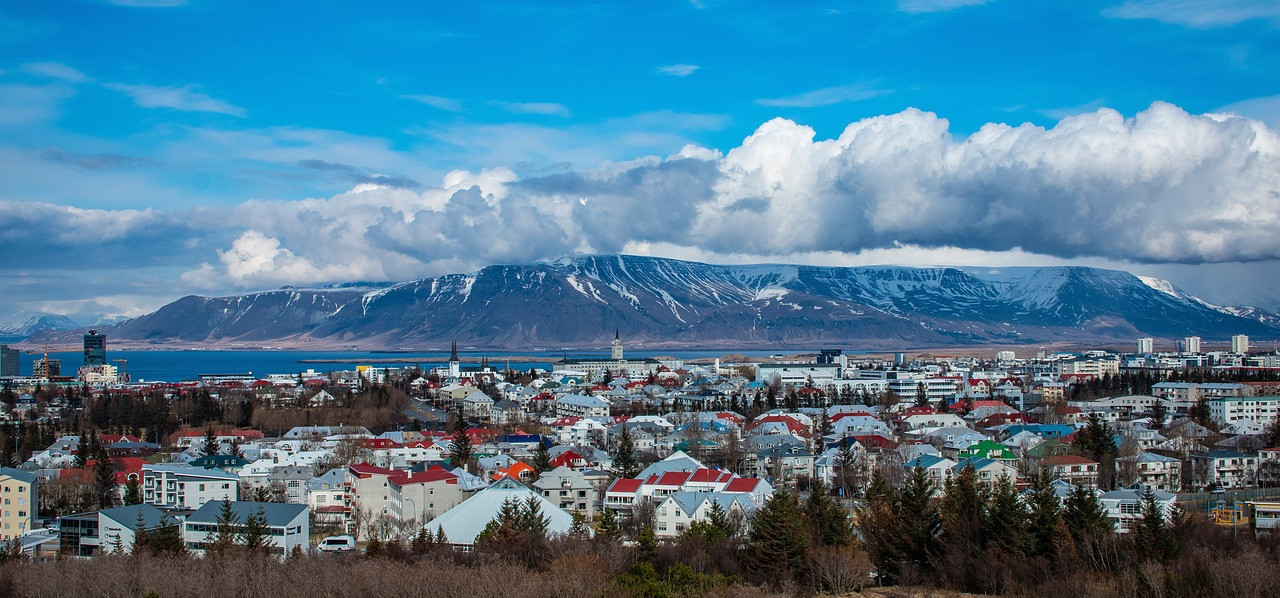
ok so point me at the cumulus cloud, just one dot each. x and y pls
(824, 97)
(186, 98)
(1196, 13)
(678, 70)
(1162, 188)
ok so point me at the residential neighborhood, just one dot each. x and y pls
(592, 448)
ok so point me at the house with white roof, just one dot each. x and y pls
(464, 522)
(582, 406)
(184, 487)
(1152, 470)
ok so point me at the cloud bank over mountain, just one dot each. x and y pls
(1162, 188)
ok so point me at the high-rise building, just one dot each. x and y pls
(1146, 346)
(95, 348)
(46, 368)
(9, 361)
(1240, 344)
(1191, 344)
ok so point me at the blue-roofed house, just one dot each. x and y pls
(677, 511)
(936, 468)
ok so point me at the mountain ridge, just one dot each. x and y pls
(580, 301)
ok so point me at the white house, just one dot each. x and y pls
(288, 525)
(1124, 506)
(676, 512)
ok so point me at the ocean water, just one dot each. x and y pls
(176, 366)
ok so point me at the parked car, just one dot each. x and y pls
(1216, 489)
(337, 544)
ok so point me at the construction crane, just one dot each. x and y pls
(124, 377)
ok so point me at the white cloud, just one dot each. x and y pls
(936, 5)
(185, 98)
(442, 103)
(1266, 109)
(824, 97)
(1198, 13)
(55, 70)
(545, 108)
(678, 70)
(1163, 189)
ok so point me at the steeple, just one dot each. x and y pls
(617, 345)
(455, 364)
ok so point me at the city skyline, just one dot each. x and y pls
(157, 148)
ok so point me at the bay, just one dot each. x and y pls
(177, 366)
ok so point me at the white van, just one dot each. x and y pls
(337, 544)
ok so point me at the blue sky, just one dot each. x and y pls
(155, 148)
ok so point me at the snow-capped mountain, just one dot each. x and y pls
(576, 302)
(27, 324)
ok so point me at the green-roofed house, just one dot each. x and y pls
(988, 449)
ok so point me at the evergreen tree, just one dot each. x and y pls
(422, 542)
(1158, 413)
(166, 539)
(85, 449)
(828, 525)
(1043, 516)
(963, 511)
(646, 545)
(624, 462)
(920, 520)
(462, 451)
(1152, 537)
(104, 480)
(256, 531)
(1084, 516)
(541, 458)
(579, 528)
(922, 397)
(132, 492)
(1006, 523)
(777, 542)
(608, 528)
(224, 538)
(210, 446)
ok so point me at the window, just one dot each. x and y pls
(202, 487)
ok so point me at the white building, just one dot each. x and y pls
(676, 512)
(1229, 410)
(288, 525)
(1123, 507)
(1146, 346)
(1240, 344)
(581, 406)
(186, 487)
(1191, 344)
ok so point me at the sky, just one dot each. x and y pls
(151, 149)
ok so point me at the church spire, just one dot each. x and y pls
(454, 355)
